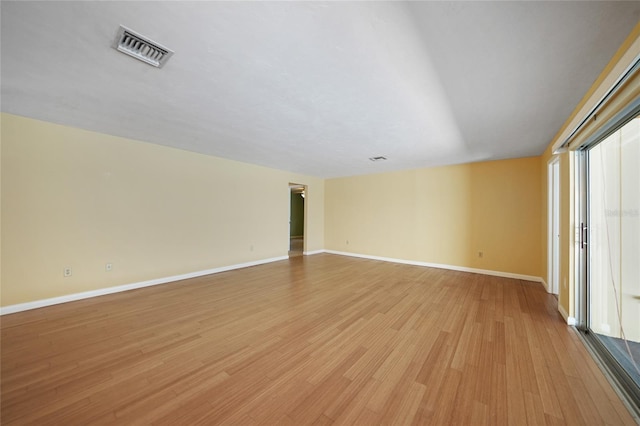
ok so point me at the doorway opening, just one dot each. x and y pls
(553, 226)
(297, 219)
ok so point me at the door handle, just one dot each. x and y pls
(583, 235)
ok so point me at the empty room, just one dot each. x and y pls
(369, 213)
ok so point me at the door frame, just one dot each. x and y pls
(553, 225)
(305, 189)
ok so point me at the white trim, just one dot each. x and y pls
(442, 266)
(117, 289)
(565, 315)
(546, 286)
(624, 76)
(553, 225)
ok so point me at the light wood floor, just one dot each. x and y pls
(321, 339)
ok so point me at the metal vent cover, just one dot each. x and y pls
(140, 47)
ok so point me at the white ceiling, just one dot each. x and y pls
(315, 88)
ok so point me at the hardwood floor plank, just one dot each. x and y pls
(326, 390)
(535, 412)
(320, 339)
(498, 407)
(448, 398)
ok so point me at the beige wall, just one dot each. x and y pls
(631, 90)
(1, 119)
(629, 50)
(81, 199)
(442, 215)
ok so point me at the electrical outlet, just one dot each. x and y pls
(347, 242)
(67, 272)
(251, 247)
(480, 254)
(108, 267)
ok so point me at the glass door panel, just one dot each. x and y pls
(614, 246)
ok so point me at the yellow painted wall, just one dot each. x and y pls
(629, 50)
(81, 199)
(76, 198)
(442, 215)
(1, 117)
(565, 296)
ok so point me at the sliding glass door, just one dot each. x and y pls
(612, 243)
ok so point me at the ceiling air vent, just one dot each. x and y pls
(140, 47)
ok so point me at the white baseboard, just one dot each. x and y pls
(546, 286)
(117, 289)
(565, 315)
(442, 266)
